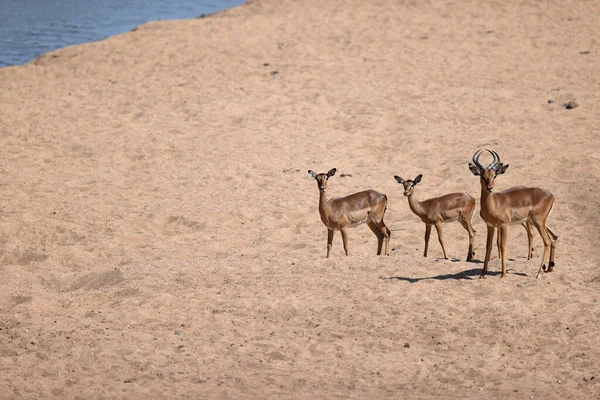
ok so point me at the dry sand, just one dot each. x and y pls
(160, 238)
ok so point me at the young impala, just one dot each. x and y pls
(434, 212)
(343, 212)
(519, 205)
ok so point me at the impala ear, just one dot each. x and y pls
(502, 169)
(331, 172)
(417, 179)
(312, 174)
(474, 169)
(399, 180)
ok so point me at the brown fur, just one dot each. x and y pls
(522, 204)
(435, 211)
(340, 213)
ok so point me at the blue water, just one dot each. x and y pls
(29, 28)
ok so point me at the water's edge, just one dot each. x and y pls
(31, 28)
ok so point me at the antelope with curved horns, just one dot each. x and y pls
(435, 211)
(520, 205)
(343, 212)
(527, 225)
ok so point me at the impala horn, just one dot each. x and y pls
(476, 159)
(497, 163)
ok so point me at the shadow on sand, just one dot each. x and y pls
(473, 273)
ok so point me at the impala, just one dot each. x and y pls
(516, 206)
(528, 228)
(434, 212)
(342, 213)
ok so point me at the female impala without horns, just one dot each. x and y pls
(434, 212)
(343, 212)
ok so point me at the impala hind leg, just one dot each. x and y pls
(329, 240)
(438, 228)
(427, 235)
(387, 234)
(529, 229)
(467, 225)
(552, 250)
(541, 227)
(344, 231)
(503, 234)
(377, 233)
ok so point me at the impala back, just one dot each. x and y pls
(355, 209)
(448, 207)
(520, 204)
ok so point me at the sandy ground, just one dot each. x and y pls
(160, 238)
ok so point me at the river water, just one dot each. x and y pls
(29, 28)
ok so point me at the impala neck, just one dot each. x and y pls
(486, 197)
(324, 207)
(415, 205)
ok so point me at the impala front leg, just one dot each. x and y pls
(427, 235)
(488, 250)
(329, 240)
(503, 233)
(344, 231)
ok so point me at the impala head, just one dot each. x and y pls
(322, 178)
(409, 185)
(489, 173)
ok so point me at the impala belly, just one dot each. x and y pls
(518, 222)
(450, 215)
(450, 220)
(518, 215)
(512, 222)
(357, 218)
